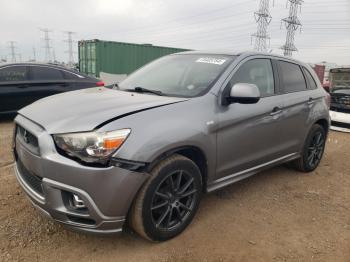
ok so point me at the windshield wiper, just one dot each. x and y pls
(145, 90)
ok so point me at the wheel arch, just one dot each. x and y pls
(193, 153)
(324, 123)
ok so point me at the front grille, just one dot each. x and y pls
(29, 140)
(340, 99)
(340, 124)
(34, 181)
(340, 109)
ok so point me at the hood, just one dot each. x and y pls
(84, 110)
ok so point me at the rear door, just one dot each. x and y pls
(249, 133)
(297, 102)
(13, 85)
(45, 81)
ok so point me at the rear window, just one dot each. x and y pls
(13, 73)
(72, 76)
(310, 79)
(292, 78)
(45, 73)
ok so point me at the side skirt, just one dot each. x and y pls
(230, 179)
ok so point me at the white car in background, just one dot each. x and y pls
(340, 99)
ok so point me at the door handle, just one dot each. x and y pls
(310, 101)
(275, 111)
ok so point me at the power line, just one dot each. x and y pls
(180, 28)
(165, 24)
(292, 23)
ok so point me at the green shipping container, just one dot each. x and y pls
(97, 56)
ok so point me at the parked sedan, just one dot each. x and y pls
(23, 83)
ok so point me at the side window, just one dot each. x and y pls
(13, 73)
(310, 79)
(45, 73)
(256, 71)
(292, 78)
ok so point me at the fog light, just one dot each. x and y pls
(78, 202)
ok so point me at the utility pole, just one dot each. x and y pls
(263, 19)
(47, 45)
(70, 47)
(12, 46)
(292, 23)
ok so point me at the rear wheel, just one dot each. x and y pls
(169, 200)
(313, 150)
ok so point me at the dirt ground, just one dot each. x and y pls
(277, 215)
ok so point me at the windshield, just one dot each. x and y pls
(340, 82)
(178, 75)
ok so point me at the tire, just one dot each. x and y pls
(168, 201)
(312, 146)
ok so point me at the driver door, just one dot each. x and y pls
(248, 134)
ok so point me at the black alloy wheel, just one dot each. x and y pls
(315, 149)
(173, 200)
(168, 201)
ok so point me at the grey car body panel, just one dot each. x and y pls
(83, 110)
(237, 140)
(98, 187)
(163, 130)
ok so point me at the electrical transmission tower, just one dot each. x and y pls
(263, 19)
(12, 46)
(47, 45)
(34, 54)
(292, 23)
(53, 55)
(70, 47)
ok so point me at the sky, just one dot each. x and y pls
(196, 24)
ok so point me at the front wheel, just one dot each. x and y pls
(168, 201)
(313, 150)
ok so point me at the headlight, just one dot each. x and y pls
(91, 147)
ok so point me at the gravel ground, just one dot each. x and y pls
(277, 215)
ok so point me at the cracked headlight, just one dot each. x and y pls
(91, 147)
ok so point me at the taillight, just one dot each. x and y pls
(328, 100)
(100, 83)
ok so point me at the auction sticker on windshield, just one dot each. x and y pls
(210, 60)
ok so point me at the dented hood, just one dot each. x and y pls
(84, 110)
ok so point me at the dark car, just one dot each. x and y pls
(23, 83)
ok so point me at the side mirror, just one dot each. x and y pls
(244, 93)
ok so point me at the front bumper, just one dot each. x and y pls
(49, 179)
(340, 121)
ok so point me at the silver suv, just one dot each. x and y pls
(185, 124)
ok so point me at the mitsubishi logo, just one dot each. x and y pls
(25, 136)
